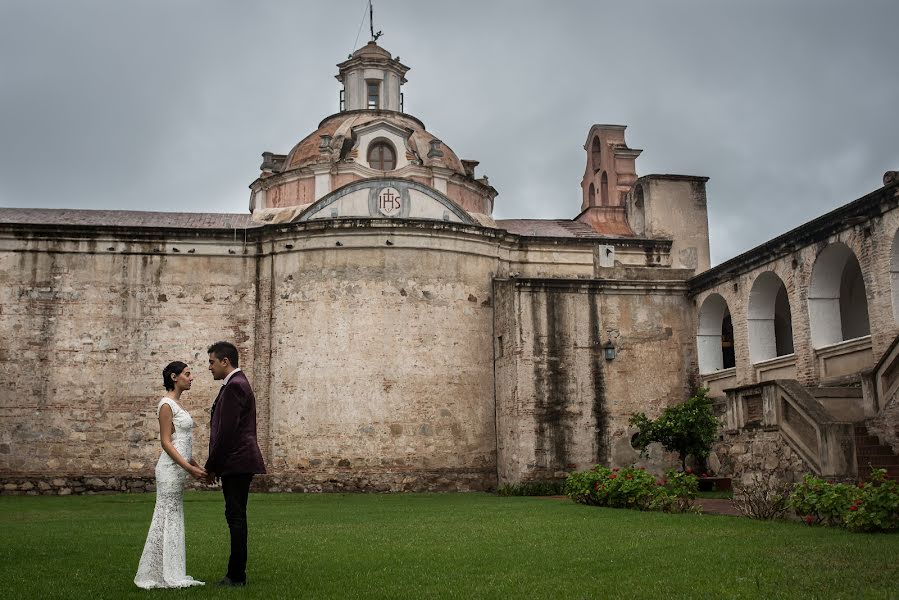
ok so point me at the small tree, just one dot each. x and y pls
(686, 428)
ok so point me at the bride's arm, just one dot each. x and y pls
(165, 437)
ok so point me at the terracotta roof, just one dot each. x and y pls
(307, 152)
(125, 218)
(548, 228)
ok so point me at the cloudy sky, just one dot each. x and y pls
(789, 106)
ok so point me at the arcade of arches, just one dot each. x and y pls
(798, 340)
(821, 310)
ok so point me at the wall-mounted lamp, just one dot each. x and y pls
(609, 350)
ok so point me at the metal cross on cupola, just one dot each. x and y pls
(371, 23)
(371, 79)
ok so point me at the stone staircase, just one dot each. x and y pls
(870, 453)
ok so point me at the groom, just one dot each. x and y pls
(234, 454)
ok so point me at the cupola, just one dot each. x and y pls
(371, 80)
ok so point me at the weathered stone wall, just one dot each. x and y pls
(370, 346)
(675, 208)
(293, 192)
(760, 452)
(560, 404)
(87, 326)
(381, 371)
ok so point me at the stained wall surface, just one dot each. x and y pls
(86, 333)
(561, 405)
(371, 345)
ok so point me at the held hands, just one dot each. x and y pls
(210, 478)
(197, 472)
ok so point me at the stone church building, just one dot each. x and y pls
(399, 337)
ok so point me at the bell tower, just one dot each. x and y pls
(608, 178)
(371, 80)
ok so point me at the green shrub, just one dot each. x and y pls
(632, 487)
(872, 506)
(822, 502)
(533, 488)
(688, 428)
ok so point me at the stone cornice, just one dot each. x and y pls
(242, 241)
(836, 221)
(620, 286)
(380, 112)
(672, 177)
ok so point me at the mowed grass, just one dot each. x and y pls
(438, 546)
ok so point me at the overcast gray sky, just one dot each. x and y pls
(789, 106)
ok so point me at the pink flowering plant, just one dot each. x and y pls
(876, 508)
(632, 487)
(820, 502)
(866, 506)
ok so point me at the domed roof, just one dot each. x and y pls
(339, 127)
(371, 49)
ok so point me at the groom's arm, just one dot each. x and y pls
(227, 413)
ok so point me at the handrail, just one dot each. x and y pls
(824, 443)
(886, 354)
(883, 380)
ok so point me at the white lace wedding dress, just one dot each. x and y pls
(162, 565)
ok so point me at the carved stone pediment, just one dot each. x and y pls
(388, 197)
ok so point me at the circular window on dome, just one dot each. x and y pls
(381, 156)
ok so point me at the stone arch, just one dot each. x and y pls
(368, 209)
(714, 339)
(604, 189)
(894, 275)
(639, 211)
(770, 318)
(837, 302)
(591, 195)
(596, 154)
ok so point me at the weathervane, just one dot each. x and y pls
(371, 22)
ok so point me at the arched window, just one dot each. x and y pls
(596, 155)
(837, 303)
(728, 352)
(604, 189)
(715, 338)
(381, 157)
(770, 319)
(591, 196)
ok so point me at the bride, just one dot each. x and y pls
(162, 564)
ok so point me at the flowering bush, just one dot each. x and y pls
(632, 487)
(872, 506)
(876, 507)
(821, 502)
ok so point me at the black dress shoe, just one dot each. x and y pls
(228, 582)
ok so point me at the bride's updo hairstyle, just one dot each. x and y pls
(173, 368)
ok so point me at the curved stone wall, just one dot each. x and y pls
(381, 362)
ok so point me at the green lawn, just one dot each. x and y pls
(438, 546)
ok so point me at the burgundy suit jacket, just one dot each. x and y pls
(233, 449)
